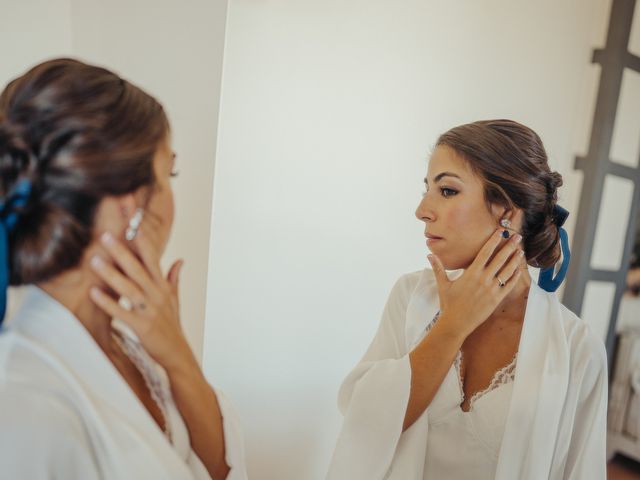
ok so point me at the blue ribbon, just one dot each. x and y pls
(8, 219)
(546, 279)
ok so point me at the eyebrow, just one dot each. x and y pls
(440, 176)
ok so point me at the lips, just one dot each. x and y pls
(432, 237)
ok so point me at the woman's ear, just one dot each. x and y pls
(517, 219)
(127, 205)
(114, 214)
(509, 218)
(500, 212)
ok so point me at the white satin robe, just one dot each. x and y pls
(556, 422)
(66, 413)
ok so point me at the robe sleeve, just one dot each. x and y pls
(373, 398)
(586, 457)
(43, 439)
(233, 444)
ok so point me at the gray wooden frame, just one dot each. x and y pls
(614, 58)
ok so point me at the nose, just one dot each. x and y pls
(424, 212)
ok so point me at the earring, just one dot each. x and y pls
(505, 223)
(134, 225)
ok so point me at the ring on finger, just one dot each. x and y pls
(500, 282)
(128, 304)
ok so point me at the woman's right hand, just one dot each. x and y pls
(468, 301)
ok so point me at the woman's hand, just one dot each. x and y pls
(155, 319)
(154, 315)
(469, 300)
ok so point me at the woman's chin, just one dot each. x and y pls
(450, 263)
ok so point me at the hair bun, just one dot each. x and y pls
(78, 133)
(16, 159)
(553, 182)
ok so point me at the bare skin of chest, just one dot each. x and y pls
(488, 349)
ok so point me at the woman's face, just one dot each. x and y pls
(457, 220)
(159, 211)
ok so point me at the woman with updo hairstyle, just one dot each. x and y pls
(97, 380)
(477, 371)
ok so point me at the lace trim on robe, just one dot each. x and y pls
(505, 375)
(158, 389)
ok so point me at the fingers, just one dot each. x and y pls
(511, 283)
(112, 308)
(438, 270)
(148, 253)
(173, 277)
(117, 281)
(487, 250)
(503, 255)
(129, 263)
(511, 267)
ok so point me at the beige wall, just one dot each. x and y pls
(31, 30)
(172, 49)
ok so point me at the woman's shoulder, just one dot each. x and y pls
(40, 428)
(409, 283)
(23, 366)
(585, 345)
(37, 413)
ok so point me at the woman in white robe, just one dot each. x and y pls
(536, 408)
(97, 380)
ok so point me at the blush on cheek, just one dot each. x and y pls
(461, 219)
(468, 229)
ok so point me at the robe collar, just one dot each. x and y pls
(59, 336)
(541, 377)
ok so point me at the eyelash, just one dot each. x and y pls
(446, 192)
(174, 174)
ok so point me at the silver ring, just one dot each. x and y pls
(500, 282)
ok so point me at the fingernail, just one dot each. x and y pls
(518, 237)
(430, 258)
(107, 238)
(97, 262)
(521, 253)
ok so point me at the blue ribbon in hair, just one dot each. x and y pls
(546, 280)
(9, 213)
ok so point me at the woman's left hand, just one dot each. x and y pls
(154, 315)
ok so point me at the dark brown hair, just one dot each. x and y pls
(511, 160)
(78, 133)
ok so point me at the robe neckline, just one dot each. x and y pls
(541, 378)
(54, 332)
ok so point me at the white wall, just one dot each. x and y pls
(30, 31)
(174, 51)
(328, 113)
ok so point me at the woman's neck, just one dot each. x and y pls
(514, 304)
(71, 289)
